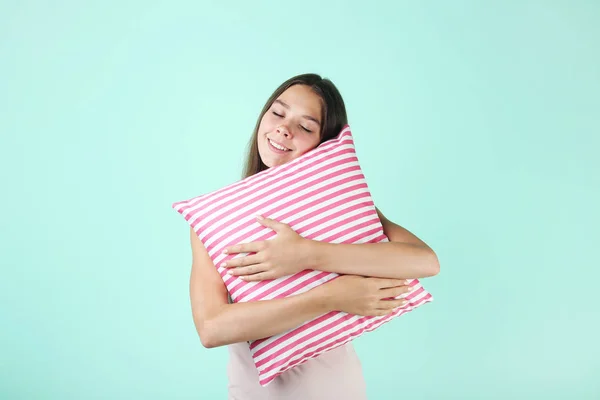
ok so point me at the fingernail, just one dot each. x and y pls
(259, 217)
(406, 282)
(223, 265)
(410, 288)
(404, 302)
(225, 251)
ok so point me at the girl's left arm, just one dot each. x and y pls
(405, 256)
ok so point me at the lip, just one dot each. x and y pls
(276, 150)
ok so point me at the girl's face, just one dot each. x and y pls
(290, 127)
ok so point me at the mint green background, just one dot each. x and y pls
(477, 125)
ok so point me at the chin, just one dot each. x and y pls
(267, 162)
(272, 160)
(271, 164)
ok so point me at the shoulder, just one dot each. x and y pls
(397, 233)
(198, 250)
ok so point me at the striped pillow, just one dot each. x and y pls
(323, 196)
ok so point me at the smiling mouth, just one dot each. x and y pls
(277, 146)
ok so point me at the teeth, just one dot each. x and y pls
(278, 146)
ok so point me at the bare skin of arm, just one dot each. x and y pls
(404, 256)
(219, 323)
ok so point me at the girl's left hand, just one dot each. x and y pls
(286, 254)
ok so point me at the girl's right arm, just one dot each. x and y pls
(219, 323)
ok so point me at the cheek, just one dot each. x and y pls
(266, 124)
(307, 143)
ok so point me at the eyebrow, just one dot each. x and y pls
(305, 116)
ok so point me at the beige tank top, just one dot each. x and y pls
(336, 374)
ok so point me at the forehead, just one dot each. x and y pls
(302, 99)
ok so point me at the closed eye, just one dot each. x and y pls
(281, 116)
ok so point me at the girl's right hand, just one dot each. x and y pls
(365, 296)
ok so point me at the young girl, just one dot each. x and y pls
(302, 113)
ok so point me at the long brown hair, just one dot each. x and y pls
(333, 115)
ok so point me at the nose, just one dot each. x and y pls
(284, 131)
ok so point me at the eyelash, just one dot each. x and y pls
(281, 116)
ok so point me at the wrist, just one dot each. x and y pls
(312, 253)
(322, 298)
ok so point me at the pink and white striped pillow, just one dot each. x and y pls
(323, 196)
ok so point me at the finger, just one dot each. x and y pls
(252, 247)
(250, 270)
(242, 261)
(380, 313)
(395, 291)
(391, 304)
(390, 283)
(261, 276)
(271, 223)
